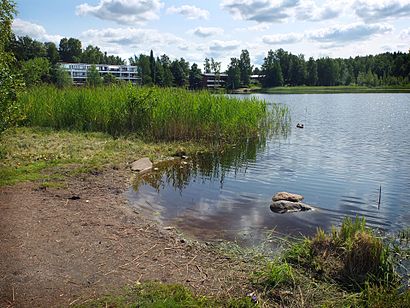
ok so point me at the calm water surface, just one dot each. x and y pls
(351, 144)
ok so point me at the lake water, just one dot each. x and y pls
(351, 144)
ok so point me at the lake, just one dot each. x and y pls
(351, 144)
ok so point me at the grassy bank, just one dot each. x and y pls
(153, 113)
(349, 267)
(28, 154)
(332, 89)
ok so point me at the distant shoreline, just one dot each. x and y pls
(327, 90)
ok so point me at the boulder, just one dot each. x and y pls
(283, 195)
(284, 206)
(141, 165)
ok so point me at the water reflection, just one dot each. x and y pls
(203, 167)
(350, 145)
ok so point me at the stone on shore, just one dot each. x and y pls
(283, 195)
(284, 206)
(141, 165)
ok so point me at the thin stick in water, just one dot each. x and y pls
(380, 196)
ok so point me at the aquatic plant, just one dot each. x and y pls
(155, 113)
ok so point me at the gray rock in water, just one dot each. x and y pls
(284, 206)
(283, 195)
(141, 165)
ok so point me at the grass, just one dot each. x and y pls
(28, 154)
(332, 89)
(155, 294)
(153, 113)
(348, 267)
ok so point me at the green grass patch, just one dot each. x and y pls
(158, 295)
(332, 89)
(29, 154)
(152, 113)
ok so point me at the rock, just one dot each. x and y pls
(283, 195)
(284, 206)
(141, 165)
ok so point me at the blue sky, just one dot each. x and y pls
(221, 29)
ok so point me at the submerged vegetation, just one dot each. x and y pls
(154, 113)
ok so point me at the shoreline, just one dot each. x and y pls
(321, 90)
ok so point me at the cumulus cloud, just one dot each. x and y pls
(25, 28)
(405, 34)
(189, 11)
(206, 31)
(256, 28)
(260, 10)
(349, 33)
(220, 46)
(131, 37)
(310, 11)
(288, 38)
(376, 10)
(122, 11)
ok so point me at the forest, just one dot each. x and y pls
(38, 63)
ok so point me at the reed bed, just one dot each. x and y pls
(154, 113)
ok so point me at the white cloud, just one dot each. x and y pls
(25, 28)
(189, 11)
(405, 34)
(260, 10)
(206, 31)
(256, 28)
(376, 10)
(287, 38)
(280, 11)
(123, 11)
(132, 37)
(310, 11)
(349, 33)
(219, 46)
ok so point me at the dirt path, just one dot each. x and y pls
(56, 250)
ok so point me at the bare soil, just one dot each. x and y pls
(66, 246)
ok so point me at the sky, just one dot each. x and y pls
(221, 29)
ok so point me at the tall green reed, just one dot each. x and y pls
(156, 113)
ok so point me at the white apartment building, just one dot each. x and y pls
(78, 71)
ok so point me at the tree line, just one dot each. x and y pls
(283, 68)
(38, 62)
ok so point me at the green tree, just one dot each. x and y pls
(25, 48)
(284, 60)
(93, 77)
(207, 66)
(245, 68)
(166, 66)
(35, 71)
(327, 72)
(144, 70)
(52, 52)
(10, 83)
(216, 69)
(195, 77)
(180, 72)
(297, 70)
(311, 78)
(159, 73)
(272, 70)
(61, 77)
(70, 50)
(152, 66)
(109, 79)
(92, 55)
(234, 74)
